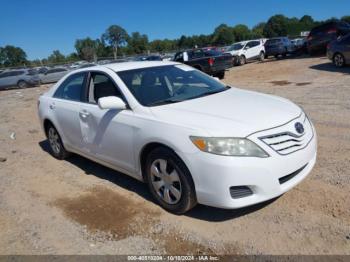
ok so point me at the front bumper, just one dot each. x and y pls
(213, 175)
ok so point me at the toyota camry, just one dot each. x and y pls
(191, 138)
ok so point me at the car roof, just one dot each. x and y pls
(123, 66)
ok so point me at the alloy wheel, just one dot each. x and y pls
(166, 181)
(339, 60)
(54, 140)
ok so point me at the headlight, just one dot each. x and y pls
(228, 146)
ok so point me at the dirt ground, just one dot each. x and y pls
(79, 207)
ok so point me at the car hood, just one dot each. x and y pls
(235, 113)
(236, 52)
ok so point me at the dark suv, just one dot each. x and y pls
(321, 35)
(278, 46)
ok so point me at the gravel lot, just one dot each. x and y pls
(79, 207)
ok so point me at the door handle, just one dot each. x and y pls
(84, 114)
(52, 106)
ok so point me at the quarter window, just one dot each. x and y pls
(71, 88)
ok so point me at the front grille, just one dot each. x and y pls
(288, 141)
(286, 178)
(284, 143)
(240, 191)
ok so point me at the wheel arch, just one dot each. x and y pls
(148, 148)
(46, 123)
(199, 67)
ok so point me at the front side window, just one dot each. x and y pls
(169, 84)
(101, 86)
(71, 88)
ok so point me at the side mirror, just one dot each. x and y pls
(111, 102)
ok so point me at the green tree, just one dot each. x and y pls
(258, 30)
(241, 32)
(116, 36)
(56, 57)
(346, 18)
(12, 56)
(276, 26)
(138, 43)
(223, 35)
(87, 48)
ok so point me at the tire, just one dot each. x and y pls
(22, 84)
(166, 172)
(220, 75)
(242, 60)
(262, 56)
(276, 56)
(56, 146)
(339, 60)
(285, 53)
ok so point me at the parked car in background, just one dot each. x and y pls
(53, 75)
(211, 62)
(248, 50)
(149, 58)
(168, 57)
(299, 46)
(21, 78)
(191, 138)
(278, 46)
(338, 51)
(321, 35)
(87, 65)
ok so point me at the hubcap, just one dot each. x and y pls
(54, 140)
(166, 181)
(338, 60)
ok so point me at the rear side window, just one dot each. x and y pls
(71, 88)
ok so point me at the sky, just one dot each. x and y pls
(41, 26)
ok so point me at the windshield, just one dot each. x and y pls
(169, 84)
(236, 47)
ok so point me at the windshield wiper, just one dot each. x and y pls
(163, 102)
(209, 93)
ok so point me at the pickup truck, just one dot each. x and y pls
(212, 62)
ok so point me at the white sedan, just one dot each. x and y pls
(191, 138)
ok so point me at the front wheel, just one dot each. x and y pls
(170, 181)
(242, 60)
(339, 60)
(261, 56)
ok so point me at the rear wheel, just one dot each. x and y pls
(22, 84)
(170, 181)
(56, 146)
(220, 75)
(339, 60)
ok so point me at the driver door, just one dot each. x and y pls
(107, 135)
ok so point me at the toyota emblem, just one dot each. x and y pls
(299, 127)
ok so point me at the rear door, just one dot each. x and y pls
(65, 106)
(107, 134)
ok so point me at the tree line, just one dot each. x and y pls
(117, 42)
